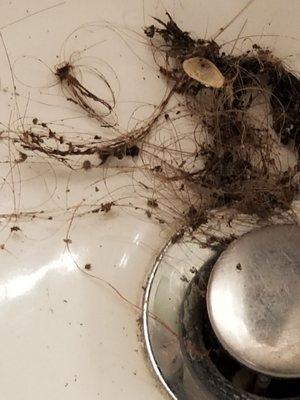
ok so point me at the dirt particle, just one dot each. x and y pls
(132, 151)
(15, 229)
(150, 31)
(148, 213)
(239, 267)
(86, 165)
(152, 203)
(183, 278)
(106, 207)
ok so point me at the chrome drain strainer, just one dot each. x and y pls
(167, 284)
(229, 328)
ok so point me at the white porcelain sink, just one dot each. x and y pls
(64, 334)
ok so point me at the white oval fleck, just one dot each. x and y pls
(203, 71)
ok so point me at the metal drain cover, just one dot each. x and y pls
(252, 291)
(253, 300)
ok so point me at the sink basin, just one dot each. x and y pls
(72, 280)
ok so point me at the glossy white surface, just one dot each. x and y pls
(65, 335)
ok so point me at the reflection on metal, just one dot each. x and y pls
(146, 326)
(167, 284)
(254, 298)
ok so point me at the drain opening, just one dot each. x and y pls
(243, 377)
(214, 368)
